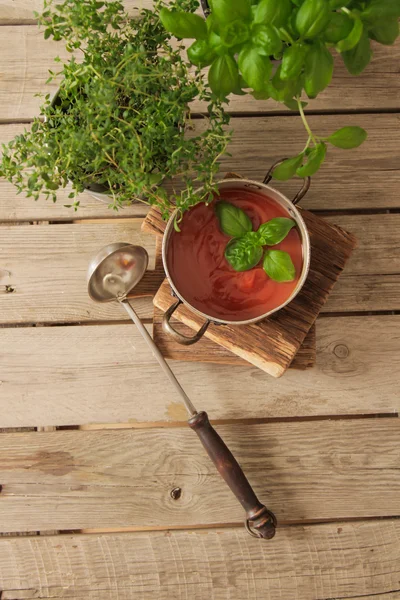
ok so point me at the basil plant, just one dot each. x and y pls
(282, 49)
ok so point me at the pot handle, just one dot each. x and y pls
(300, 194)
(179, 337)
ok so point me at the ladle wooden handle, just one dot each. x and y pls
(262, 520)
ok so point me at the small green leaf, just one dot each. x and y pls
(223, 76)
(255, 68)
(312, 18)
(267, 40)
(385, 31)
(292, 104)
(225, 11)
(314, 160)
(381, 9)
(293, 61)
(287, 169)
(339, 27)
(274, 231)
(183, 24)
(232, 220)
(353, 38)
(279, 266)
(348, 137)
(200, 53)
(318, 69)
(358, 57)
(241, 255)
(234, 33)
(273, 12)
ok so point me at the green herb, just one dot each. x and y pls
(232, 220)
(279, 266)
(300, 35)
(242, 254)
(246, 249)
(348, 137)
(121, 118)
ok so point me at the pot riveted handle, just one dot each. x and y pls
(300, 194)
(179, 337)
(262, 520)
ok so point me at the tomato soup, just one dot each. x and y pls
(204, 278)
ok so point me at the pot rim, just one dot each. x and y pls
(305, 242)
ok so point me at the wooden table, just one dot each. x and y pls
(94, 441)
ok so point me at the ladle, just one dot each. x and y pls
(112, 274)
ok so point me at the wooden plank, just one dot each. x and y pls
(319, 562)
(101, 374)
(26, 58)
(368, 177)
(17, 12)
(48, 268)
(77, 479)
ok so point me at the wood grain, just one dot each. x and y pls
(20, 12)
(48, 266)
(367, 177)
(105, 374)
(272, 344)
(319, 562)
(26, 58)
(82, 479)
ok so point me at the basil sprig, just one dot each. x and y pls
(283, 49)
(245, 250)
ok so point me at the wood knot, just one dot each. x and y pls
(341, 351)
(176, 493)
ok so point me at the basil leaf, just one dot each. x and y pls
(381, 9)
(223, 76)
(287, 169)
(183, 24)
(312, 18)
(255, 68)
(266, 39)
(348, 137)
(273, 12)
(358, 57)
(283, 91)
(353, 38)
(274, 231)
(241, 255)
(314, 161)
(200, 53)
(226, 11)
(334, 4)
(279, 266)
(385, 31)
(318, 69)
(293, 61)
(232, 220)
(339, 27)
(261, 95)
(234, 33)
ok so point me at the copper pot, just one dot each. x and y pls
(265, 190)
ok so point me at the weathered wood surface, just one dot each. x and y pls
(302, 472)
(48, 269)
(365, 178)
(21, 11)
(105, 374)
(319, 562)
(26, 58)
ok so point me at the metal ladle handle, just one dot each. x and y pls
(262, 520)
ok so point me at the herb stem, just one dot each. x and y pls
(305, 123)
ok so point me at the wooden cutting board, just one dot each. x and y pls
(273, 343)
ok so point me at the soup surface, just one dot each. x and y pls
(203, 276)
